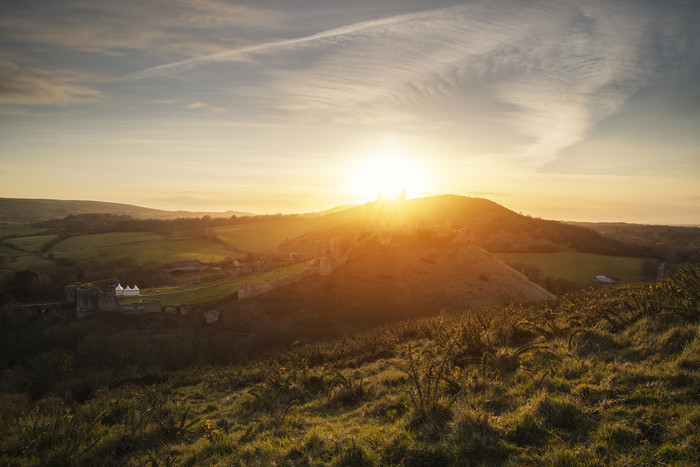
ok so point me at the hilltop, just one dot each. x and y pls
(489, 225)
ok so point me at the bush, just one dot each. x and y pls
(588, 342)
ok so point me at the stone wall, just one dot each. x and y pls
(86, 300)
(252, 290)
(71, 294)
(140, 308)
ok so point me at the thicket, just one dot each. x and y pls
(605, 376)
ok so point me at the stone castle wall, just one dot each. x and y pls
(90, 299)
(140, 308)
(252, 290)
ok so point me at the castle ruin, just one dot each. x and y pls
(89, 298)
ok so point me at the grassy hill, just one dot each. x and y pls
(31, 210)
(380, 284)
(489, 225)
(600, 377)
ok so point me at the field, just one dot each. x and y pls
(19, 259)
(263, 236)
(32, 244)
(141, 245)
(18, 229)
(579, 267)
(29, 262)
(202, 293)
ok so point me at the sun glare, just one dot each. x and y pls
(388, 176)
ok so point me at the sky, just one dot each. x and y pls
(557, 109)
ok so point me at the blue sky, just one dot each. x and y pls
(564, 110)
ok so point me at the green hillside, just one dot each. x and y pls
(579, 267)
(264, 236)
(30, 210)
(32, 243)
(143, 246)
(605, 377)
(381, 284)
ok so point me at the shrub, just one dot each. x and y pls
(428, 376)
(585, 342)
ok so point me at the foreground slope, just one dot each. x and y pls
(606, 377)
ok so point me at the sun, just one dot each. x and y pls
(388, 176)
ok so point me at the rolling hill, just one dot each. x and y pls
(384, 283)
(31, 210)
(488, 224)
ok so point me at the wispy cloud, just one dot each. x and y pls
(327, 36)
(203, 106)
(540, 71)
(31, 86)
(157, 27)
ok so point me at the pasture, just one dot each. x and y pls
(202, 293)
(32, 244)
(9, 229)
(28, 261)
(142, 246)
(20, 259)
(579, 267)
(263, 236)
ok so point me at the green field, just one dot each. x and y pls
(579, 267)
(141, 246)
(263, 236)
(17, 230)
(18, 260)
(32, 244)
(201, 293)
(28, 262)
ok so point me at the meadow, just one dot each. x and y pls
(32, 243)
(211, 292)
(598, 377)
(142, 245)
(577, 267)
(263, 236)
(11, 229)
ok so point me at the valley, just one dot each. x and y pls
(431, 329)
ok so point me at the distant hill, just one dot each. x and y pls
(31, 210)
(488, 224)
(672, 243)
